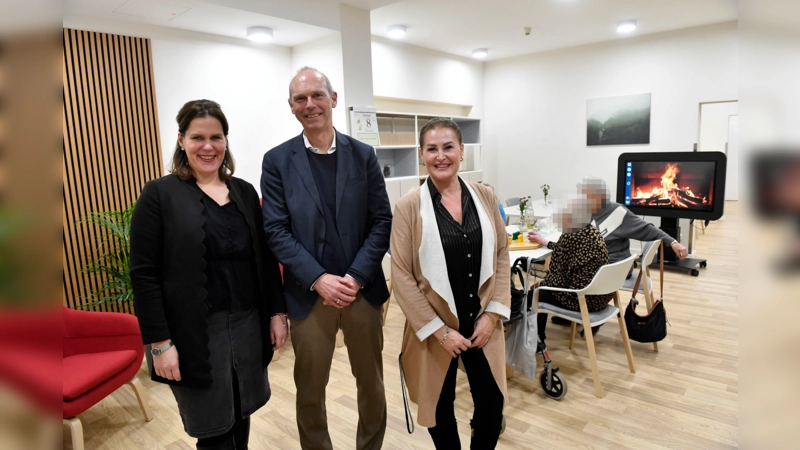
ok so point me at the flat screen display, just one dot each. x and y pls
(670, 184)
(688, 185)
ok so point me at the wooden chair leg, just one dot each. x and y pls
(587, 327)
(624, 330)
(76, 430)
(386, 309)
(572, 332)
(136, 385)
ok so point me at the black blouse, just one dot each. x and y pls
(231, 281)
(462, 244)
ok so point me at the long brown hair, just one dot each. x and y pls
(196, 109)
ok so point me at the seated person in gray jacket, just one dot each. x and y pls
(618, 226)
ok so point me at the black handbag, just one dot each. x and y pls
(653, 326)
(517, 294)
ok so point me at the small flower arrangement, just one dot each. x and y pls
(523, 202)
(545, 191)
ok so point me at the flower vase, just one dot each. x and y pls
(523, 225)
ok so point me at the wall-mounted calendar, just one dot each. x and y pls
(364, 125)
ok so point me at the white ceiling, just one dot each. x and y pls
(198, 16)
(459, 26)
(450, 26)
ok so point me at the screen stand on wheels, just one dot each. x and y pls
(669, 225)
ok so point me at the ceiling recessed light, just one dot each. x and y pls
(626, 26)
(480, 53)
(396, 31)
(259, 34)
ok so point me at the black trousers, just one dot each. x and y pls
(541, 318)
(237, 437)
(488, 400)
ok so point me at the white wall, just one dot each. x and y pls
(415, 73)
(250, 82)
(356, 56)
(535, 111)
(326, 56)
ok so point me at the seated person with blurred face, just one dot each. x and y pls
(577, 256)
(618, 226)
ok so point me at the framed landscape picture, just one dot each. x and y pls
(621, 120)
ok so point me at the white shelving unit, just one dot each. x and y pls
(398, 153)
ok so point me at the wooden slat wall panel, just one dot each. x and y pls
(111, 142)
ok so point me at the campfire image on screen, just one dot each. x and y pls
(688, 185)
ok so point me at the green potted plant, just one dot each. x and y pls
(113, 264)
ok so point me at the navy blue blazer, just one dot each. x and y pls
(295, 225)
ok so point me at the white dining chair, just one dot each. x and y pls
(608, 279)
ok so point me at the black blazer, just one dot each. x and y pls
(295, 225)
(167, 271)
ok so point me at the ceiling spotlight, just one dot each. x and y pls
(626, 26)
(396, 31)
(259, 34)
(480, 53)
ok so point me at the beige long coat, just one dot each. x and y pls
(422, 289)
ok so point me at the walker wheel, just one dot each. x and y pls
(703, 264)
(695, 272)
(559, 385)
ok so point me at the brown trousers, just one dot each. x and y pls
(314, 341)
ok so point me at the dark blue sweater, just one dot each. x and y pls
(323, 166)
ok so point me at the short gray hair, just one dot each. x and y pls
(328, 84)
(593, 183)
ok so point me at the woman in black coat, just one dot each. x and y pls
(207, 288)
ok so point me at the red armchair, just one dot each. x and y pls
(102, 351)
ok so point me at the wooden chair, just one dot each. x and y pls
(649, 252)
(387, 271)
(609, 278)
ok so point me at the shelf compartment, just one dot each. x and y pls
(396, 129)
(397, 161)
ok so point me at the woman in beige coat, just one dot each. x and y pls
(450, 274)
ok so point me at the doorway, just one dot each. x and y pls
(718, 131)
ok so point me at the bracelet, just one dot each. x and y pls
(446, 332)
(283, 318)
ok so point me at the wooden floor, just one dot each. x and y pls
(684, 396)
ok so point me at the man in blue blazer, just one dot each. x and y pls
(327, 219)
